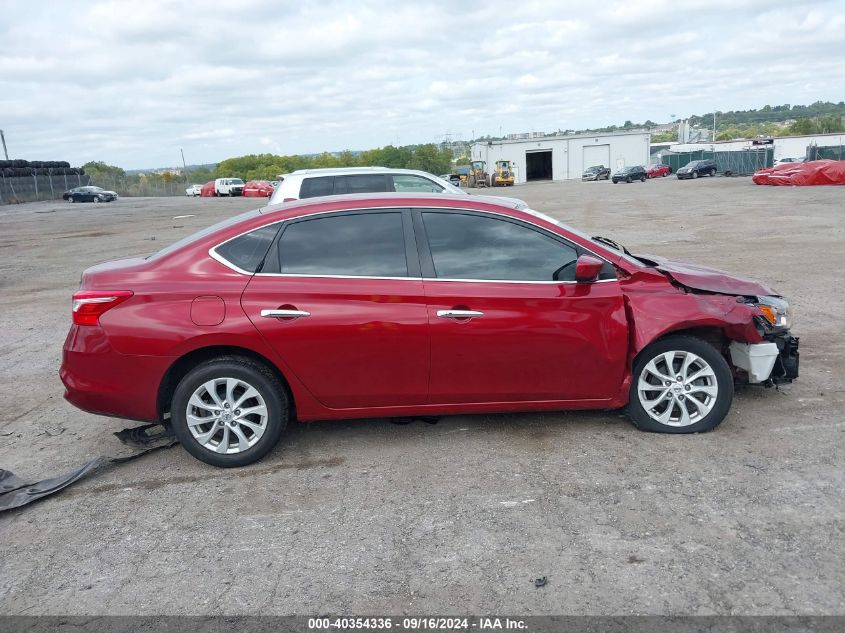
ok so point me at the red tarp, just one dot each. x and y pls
(208, 190)
(817, 172)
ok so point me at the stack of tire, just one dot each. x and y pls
(21, 168)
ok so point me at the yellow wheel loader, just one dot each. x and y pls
(502, 175)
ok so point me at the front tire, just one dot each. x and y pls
(695, 174)
(680, 384)
(229, 411)
(712, 173)
(628, 180)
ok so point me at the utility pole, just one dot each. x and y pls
(3, 138)
(184, 166)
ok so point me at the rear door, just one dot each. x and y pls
(508, 321)
(341, 301)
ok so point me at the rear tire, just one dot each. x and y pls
(661, 403)
(228, 433)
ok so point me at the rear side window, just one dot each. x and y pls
(248, 251)
(360, 183)
(367, 244)
(465, 246)
(314, 187)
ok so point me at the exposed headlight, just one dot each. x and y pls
(775, 310)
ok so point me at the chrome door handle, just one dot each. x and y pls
(459, 314)
(284, 314)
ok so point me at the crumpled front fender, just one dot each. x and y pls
(655, 314)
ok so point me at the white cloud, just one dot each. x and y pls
(131, 83)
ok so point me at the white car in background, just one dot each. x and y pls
(193, 190)
(312, 183)
(785, 161)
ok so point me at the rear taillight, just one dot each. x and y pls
(88, 306)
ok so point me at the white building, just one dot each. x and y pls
(565, 157)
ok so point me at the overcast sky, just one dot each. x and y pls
(131, 83)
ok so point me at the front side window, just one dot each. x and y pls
(408, 183)
(367, 244)
(468, 246)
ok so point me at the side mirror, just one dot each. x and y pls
(588, 268)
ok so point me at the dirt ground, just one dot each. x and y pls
(370, 517)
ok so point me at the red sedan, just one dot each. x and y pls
(258, 189)
(404, 305)
(656, 171)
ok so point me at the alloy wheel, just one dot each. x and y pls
(677, 388)
(226, 415)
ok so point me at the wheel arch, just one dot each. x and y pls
(182, 365)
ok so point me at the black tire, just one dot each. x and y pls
(628, 180)
(723, 379)
(712, 172)
(255, 374)
(695, 174)
(642, 179)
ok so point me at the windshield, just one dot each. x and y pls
(592, 169)
(581, 234)
(692, 163)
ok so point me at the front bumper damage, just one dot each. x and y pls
(774, 361)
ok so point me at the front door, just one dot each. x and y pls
(508, 321)
(345, 308)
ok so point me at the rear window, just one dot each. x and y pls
(248, 251)
(204, 233)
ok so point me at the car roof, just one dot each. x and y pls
(342, 171)
(385, 199)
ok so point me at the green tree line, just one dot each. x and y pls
(430, 158)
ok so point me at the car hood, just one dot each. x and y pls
(707, 279)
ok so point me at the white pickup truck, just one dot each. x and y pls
(228, 186)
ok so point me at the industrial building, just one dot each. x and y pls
(565, 157)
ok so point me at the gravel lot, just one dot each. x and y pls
(370, 517)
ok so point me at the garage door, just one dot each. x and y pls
(538, 165)
(596, 155)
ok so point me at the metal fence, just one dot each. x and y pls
(51, 187)
(142, 186)
(33, 188)
(742, 163)
(830, 152)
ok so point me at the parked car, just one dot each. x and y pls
(696, 168)
(312, 183)
(630, 174)
(228, 187)
(89, 194)
(258, 189)
(786, 161)
(597, 172)
(193, 190)
(410, 304)
(454, 179)
(208, 189)
(658, 170)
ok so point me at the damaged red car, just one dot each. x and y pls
(383, 305)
